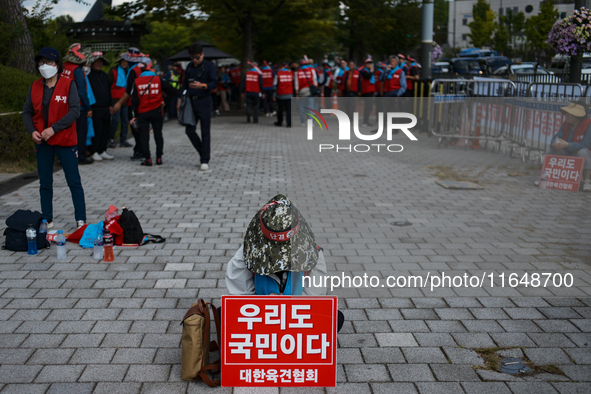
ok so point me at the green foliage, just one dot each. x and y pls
(381, 28)
(166, 38)
(14, 88)
(538, 27)
(501, 40)
(483, 26)
(15, 143)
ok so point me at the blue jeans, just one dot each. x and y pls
(123, 115)
(305, 102)
(68, 156)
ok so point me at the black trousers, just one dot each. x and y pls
(368, 104)
(202, 110)
(155, 118)
(101, 120)
(268, 101)
(81, 131)
(252, 107)
(284, 105)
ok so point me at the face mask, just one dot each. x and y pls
(86, 70)
(47, 71)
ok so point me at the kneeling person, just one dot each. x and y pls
(574, 139)
(278, 251)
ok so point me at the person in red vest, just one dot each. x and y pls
(412, 76)
(118, 76)
(351, 88)
(304, 78)
(252, 88)
(50, 112)
(368, 89)
(147, 101)
(268, 89)
(284, 92)
(394, 78)
(73, 69)
(574, 139)
(134, 57)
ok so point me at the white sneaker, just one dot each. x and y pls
(204, 166)
(587, 185)
(537, 183)
(50, 224)
(96, 157)
(80, 223)
(106, 156)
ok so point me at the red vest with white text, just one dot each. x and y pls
(354, 81)
(367, 86)
(116, 91)
(152, 98)
(409, 82)
(267, 78)
(68, 70)
(58, 108)
(580, 131)
(302, 74)
(252, 82)
(394, 83)
(285, 82)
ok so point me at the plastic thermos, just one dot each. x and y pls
(61, 245)
(108, 245)
(543, 180)
(98, 245)
(43, 228)
(31, 239)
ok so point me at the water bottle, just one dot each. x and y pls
(43, 228)
(108, 242)
(61, 245)
(98, 245)
(543, 180)
(31, 240)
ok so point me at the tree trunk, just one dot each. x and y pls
(575, 69)
(21, 46)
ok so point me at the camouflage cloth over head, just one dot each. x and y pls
(76, 54)
(294, 248)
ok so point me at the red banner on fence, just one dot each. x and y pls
(563, 172)
(279, 341)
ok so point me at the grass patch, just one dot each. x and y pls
(17, 167)
(446, 173)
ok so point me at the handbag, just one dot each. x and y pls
(186, 116)
(314, 90)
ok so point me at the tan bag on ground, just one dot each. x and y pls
(196, 344)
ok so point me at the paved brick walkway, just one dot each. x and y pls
(79, 326)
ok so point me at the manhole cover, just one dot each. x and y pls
(514, 366)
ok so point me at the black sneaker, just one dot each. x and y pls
(277, 124)
(159, 161)
(137, 156)
(85, 161)
(147, 162)
(112, 144)
(125, 144)
(247, 120)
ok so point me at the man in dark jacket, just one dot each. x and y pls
(101, 110)
(200, 79)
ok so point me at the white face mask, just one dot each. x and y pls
(47, 71)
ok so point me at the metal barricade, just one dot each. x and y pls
(479, 119)
(556, 90)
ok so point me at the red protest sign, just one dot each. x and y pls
(279, 341)
(563, 172)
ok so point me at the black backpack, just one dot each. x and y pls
(15, 233)
(132, 230)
